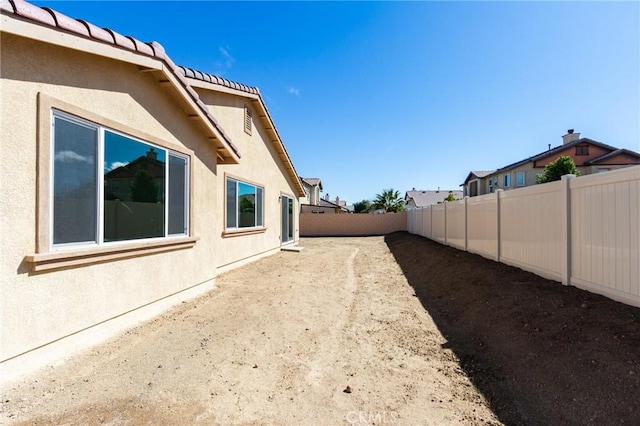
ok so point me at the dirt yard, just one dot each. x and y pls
(379, 330)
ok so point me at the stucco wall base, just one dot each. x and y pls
(57, 352)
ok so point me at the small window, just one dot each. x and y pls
(519, 178)
(111, 187)
(247, 119)
(492, 183)
(582, 150)
(244, 205)
(507, 180)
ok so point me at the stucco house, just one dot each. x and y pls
(312, 189)
(590, 156)
(419, 198)
(128, 183)
(325, 206)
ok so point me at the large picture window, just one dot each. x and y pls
(111, 187)
(244, 205)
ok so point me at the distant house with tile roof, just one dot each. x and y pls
(85, 112)
(590, 156)
(419, 198)
(312, 189)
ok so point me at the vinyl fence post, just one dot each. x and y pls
(565, 217)
(446, 240)
(466, 224)
(498, 236)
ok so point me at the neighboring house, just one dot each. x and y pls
(589, 156)
(474, 183)
(139, 182)
(313, 203)
(417, 198)
(326, 206)
(312, 189)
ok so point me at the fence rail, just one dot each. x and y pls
(581, 231)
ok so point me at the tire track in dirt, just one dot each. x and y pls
(332, 341)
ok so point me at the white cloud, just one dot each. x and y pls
(229, 60)
(117, 164)
(72, 156)
(294, 91)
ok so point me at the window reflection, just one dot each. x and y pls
(75, 183)
(134, 188)
(246, 205)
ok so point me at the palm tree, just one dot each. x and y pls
(389, 201)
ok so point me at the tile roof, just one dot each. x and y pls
(482, 173)
(478, 174)
(256, 97)
(312, 181)
(210, 78)
(48, 17)
(427, 198)
(555, 150)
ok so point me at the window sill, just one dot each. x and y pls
(240, 232)
(73, 258)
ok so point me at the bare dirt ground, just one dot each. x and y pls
(331, 335)
(379, 330)
(540, 352)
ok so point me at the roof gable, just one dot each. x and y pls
(206, 81)
(617, 157)
(149, 57)
(478, 174)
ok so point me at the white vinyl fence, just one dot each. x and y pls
(582, 231)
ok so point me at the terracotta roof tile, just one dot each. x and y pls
(7, 5)
(210, 78)
(141, 47)
(193, 94)
(121, 40)
(158, 50)
(66, 23)
(35, 13)
(97, 33)
(188, 72)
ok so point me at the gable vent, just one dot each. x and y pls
(247, 119)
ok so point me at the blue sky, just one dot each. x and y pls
(374, 95)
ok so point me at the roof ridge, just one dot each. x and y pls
(214, 79)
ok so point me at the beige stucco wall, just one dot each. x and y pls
(328, 225)
(38, 308)
(259, 165)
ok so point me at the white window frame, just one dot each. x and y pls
(507, 180)
(100, 186)
(237, 227)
